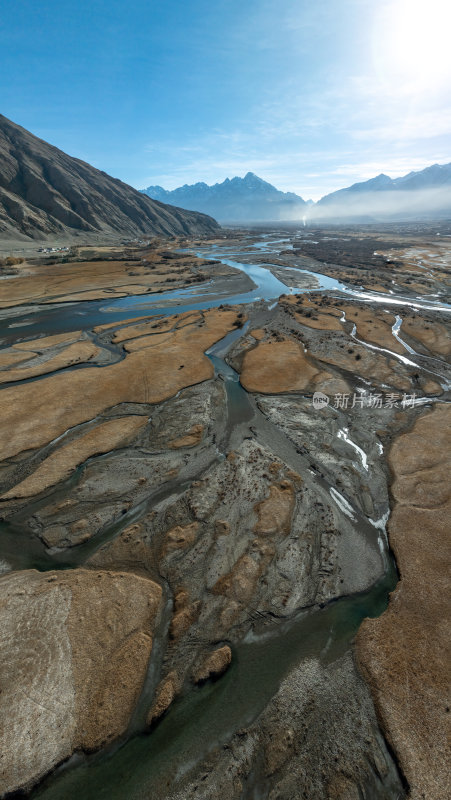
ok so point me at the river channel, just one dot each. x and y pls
(207, 716)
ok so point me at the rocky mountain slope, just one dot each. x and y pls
(45, 192)
(237, 200)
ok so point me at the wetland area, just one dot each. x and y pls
(223, 588)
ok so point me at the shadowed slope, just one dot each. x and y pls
(43, 192)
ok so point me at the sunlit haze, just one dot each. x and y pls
(309, 96)
(411, 46)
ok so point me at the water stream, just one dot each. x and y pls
(259, 281)
(208, 715)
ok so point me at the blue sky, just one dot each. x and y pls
(311, 96)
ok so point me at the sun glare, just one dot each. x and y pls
(411, 44)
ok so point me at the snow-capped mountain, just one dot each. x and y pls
(247, 199)
(426, 193)
(418, 194)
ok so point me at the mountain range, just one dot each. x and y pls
(251, 199)
(417, 194)
(45, 192)
(248, 199)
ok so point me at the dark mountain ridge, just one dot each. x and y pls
(45, 192)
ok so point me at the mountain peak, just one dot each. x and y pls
(248, 199)
(427, 192)
(253, 179)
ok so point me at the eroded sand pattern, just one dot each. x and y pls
(405, 652)
(188, 546)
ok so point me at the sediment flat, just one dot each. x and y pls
(404, 654)
(196, 543)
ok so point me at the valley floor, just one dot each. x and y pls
(211, 454)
